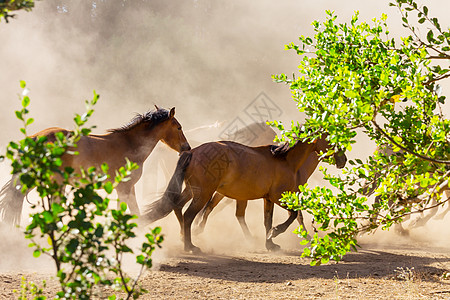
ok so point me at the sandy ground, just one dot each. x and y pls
(386, 267)
(373, 273)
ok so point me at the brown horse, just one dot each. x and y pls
(134, 141)
(236, 171)
(255, 134)
(303, 175)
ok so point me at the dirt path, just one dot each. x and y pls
(372, 273)
(368, 274)
(387, 267)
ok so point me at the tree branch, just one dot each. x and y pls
(446, 162)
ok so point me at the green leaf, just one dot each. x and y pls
(156, 230)
(430, 36)
(108, 187)
(25, 101)
(324, 260)
(19, 115)
(36, 253)
(304, 242)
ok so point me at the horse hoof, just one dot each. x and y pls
(193, 250)
(402, 232)
(271, 246)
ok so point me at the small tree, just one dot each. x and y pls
(85, 238)
(355, 76)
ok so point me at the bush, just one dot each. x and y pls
(85, 238)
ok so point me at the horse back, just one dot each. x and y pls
(50, 133)
(233, 169)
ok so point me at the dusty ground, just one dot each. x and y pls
(373, 273)
(387, 267)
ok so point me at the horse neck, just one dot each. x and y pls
(140, 142)
(297, 156)
(310, 164)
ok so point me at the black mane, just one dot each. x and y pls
(153, 118)
(281, 151)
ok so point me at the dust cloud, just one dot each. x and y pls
(210, 60)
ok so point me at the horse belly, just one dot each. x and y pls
(244, 190)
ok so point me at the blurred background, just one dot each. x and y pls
(212, 60)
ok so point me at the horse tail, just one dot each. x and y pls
(172, 196)
(11, 202)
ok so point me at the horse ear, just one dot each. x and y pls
(172, 113)
(156, 106)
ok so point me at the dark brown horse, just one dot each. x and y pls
(236, 171)
(134, 141)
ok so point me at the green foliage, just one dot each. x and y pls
(354, 76)
(7, 6)
(30, 289)
(85, 238)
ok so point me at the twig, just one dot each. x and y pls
(446, 162)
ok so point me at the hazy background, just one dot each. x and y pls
(209, 59)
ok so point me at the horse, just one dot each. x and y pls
(302, 176)
(133, 141)
(255, 134)
(236, 171)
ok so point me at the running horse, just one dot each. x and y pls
(303, 174)
(236, 171)
(134, 141)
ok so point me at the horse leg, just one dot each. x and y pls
(198, 202)
(277, 230)
(268, 219)
(423, 219)
(204, 213)
(241, 206)
(444, 213)
(127, 194)
(300, 219)
(186, 195)
(398, 227)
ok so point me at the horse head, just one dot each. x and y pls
(171, 132)
(339, 155)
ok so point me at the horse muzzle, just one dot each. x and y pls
(185, 147)
(340, 160)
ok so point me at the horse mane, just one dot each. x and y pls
(281, 151)
(153, 117)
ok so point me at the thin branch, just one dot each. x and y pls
(446, 162)
(420, 210)
(437, 78)
(438, 57)
(135, 281)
